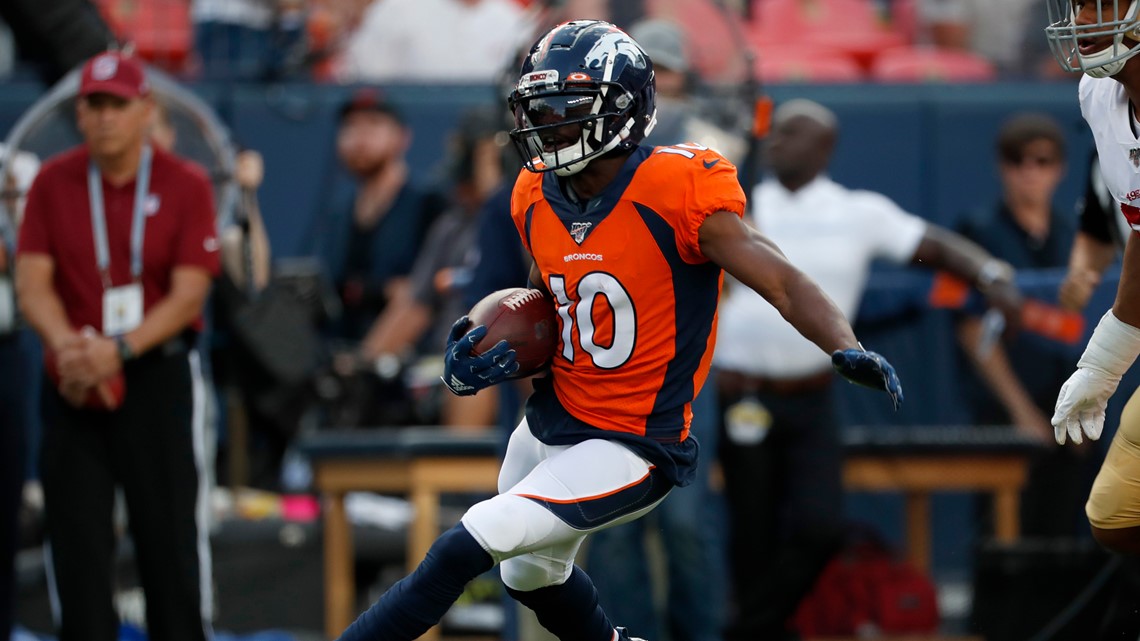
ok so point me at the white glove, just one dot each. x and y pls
(1112, 348)
(1081, 405)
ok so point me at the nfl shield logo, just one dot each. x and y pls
(578, 231)
(1134, 156)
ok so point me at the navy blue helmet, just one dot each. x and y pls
(586, 88)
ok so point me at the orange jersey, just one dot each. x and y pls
(636, 298)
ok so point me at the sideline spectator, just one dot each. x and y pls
(426, 41)
(118, 318)
(14, 386)
(247, 39)
(780, 445)
(55, 37)
(998, 31)
(1017, 381)
(368, 245)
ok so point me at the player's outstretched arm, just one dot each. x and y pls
(757, 262)
(1113, 347)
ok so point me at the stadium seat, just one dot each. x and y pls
(160, 30)
(929, 64)
(852, 26)
(807, 65)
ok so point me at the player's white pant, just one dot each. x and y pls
(1114, 501)
(551, 497)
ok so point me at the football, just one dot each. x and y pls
(522, 317)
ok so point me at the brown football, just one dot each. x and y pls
(522, 317)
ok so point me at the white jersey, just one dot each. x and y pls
(832, 234)
(1105, 107)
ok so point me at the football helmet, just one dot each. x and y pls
(585, 89)
(1106, 27)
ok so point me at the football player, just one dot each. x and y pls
(630, 243)
(1099, 38)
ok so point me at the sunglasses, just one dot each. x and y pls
(1032, 161)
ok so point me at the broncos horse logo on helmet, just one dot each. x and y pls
(1088, 35)
(586, 88)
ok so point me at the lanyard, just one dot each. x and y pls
(138, 218)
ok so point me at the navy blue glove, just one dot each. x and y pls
(869, 370)
(465, 373)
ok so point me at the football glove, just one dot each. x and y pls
(465, 373)
(1081, 405)
(869, 370)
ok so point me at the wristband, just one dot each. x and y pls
(1112, 348)
(125, 351)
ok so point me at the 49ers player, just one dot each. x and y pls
(1099, 38)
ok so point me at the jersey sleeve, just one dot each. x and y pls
(523, 196)
(712, 186)
(34, 236)
(198, 244)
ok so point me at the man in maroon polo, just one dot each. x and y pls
(117, 251)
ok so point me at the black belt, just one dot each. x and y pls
(733, 383)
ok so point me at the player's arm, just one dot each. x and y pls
(1112, 348)
(757, 262)
(1088, 260)
(1127, 305)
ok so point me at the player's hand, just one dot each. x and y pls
(869, 370)
(1081, 405)
(1078, 288)
(465, 373)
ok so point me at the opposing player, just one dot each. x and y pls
(1099, 38)
(630, 243)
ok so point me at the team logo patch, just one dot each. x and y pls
(104, 67)
(578, 231)
(611, 44)
(1134, 156)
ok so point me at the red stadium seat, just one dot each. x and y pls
(929, 64)
(160, 30)
(799, 65)
(853, 26)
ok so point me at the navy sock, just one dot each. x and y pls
(570, 611)
(419, 600)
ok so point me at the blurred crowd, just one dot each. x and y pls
(468, 41)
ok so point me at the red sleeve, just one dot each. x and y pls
(198, 244)
(34, 237)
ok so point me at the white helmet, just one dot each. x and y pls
(1065, 35)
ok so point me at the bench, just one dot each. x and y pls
(424, 463)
